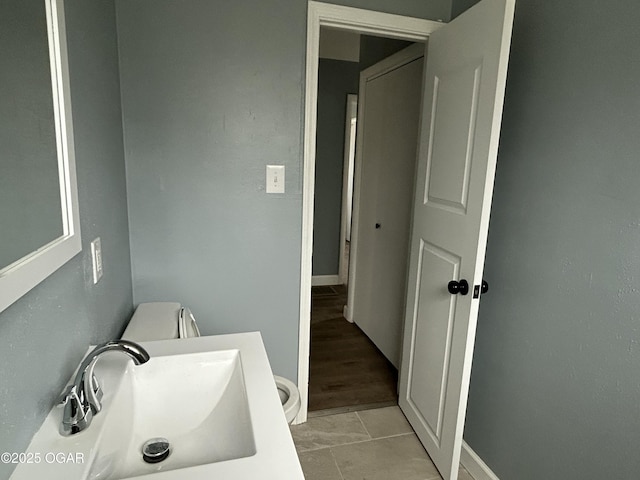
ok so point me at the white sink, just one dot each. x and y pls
(213, 398)
(197, 401)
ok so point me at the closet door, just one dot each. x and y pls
(389, 112)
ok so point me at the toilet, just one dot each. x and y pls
(167, 320)
(289, 396)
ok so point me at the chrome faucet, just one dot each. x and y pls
(82, 398)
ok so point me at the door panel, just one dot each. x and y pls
(429, 366)
(455, 97)
(464, 83)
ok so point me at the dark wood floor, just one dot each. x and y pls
(346, 369)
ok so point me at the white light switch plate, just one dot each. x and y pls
(275, 178)
(96, 257)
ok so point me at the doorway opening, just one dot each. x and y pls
(361, 22)
(356, 322)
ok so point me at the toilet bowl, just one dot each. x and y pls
(169, 320)
(289, 396)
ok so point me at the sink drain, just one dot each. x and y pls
(155, 450)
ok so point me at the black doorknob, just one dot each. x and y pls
(461, 287)
(378, 225)
(485, 287)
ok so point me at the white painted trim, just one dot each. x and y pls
(322, 280)
(346, 18)
(474, 464)
(347, 183)
(390, 63)
(24, 274)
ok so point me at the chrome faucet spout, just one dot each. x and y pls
(82, 398)
(135, 351)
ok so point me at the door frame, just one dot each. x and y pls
(348, 173)
(356, 20)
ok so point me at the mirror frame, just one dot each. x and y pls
(24, 274)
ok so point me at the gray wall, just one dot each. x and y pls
(373, 49)
(459, 6)
(555, 385)
(44, 334)
(336, 79)
(212, 93)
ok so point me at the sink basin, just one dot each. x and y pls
(196, 401)
(213, 399)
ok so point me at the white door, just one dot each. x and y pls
(462, 109)
(389, 114)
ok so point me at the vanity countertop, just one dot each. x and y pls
(100, 448)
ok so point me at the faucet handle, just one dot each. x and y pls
(77, 415)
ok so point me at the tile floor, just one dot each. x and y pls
(374, 444)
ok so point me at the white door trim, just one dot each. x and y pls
(347, 182)
(345, 18)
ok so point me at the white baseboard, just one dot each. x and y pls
(321, 280)
(474, 464)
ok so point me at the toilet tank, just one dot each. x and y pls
(160, 321)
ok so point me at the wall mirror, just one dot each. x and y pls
(39, 221)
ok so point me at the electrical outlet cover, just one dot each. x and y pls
(96, 258)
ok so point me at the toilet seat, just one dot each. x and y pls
(187, 326)
(291, 403)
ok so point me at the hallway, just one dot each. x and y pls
(347, 370)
